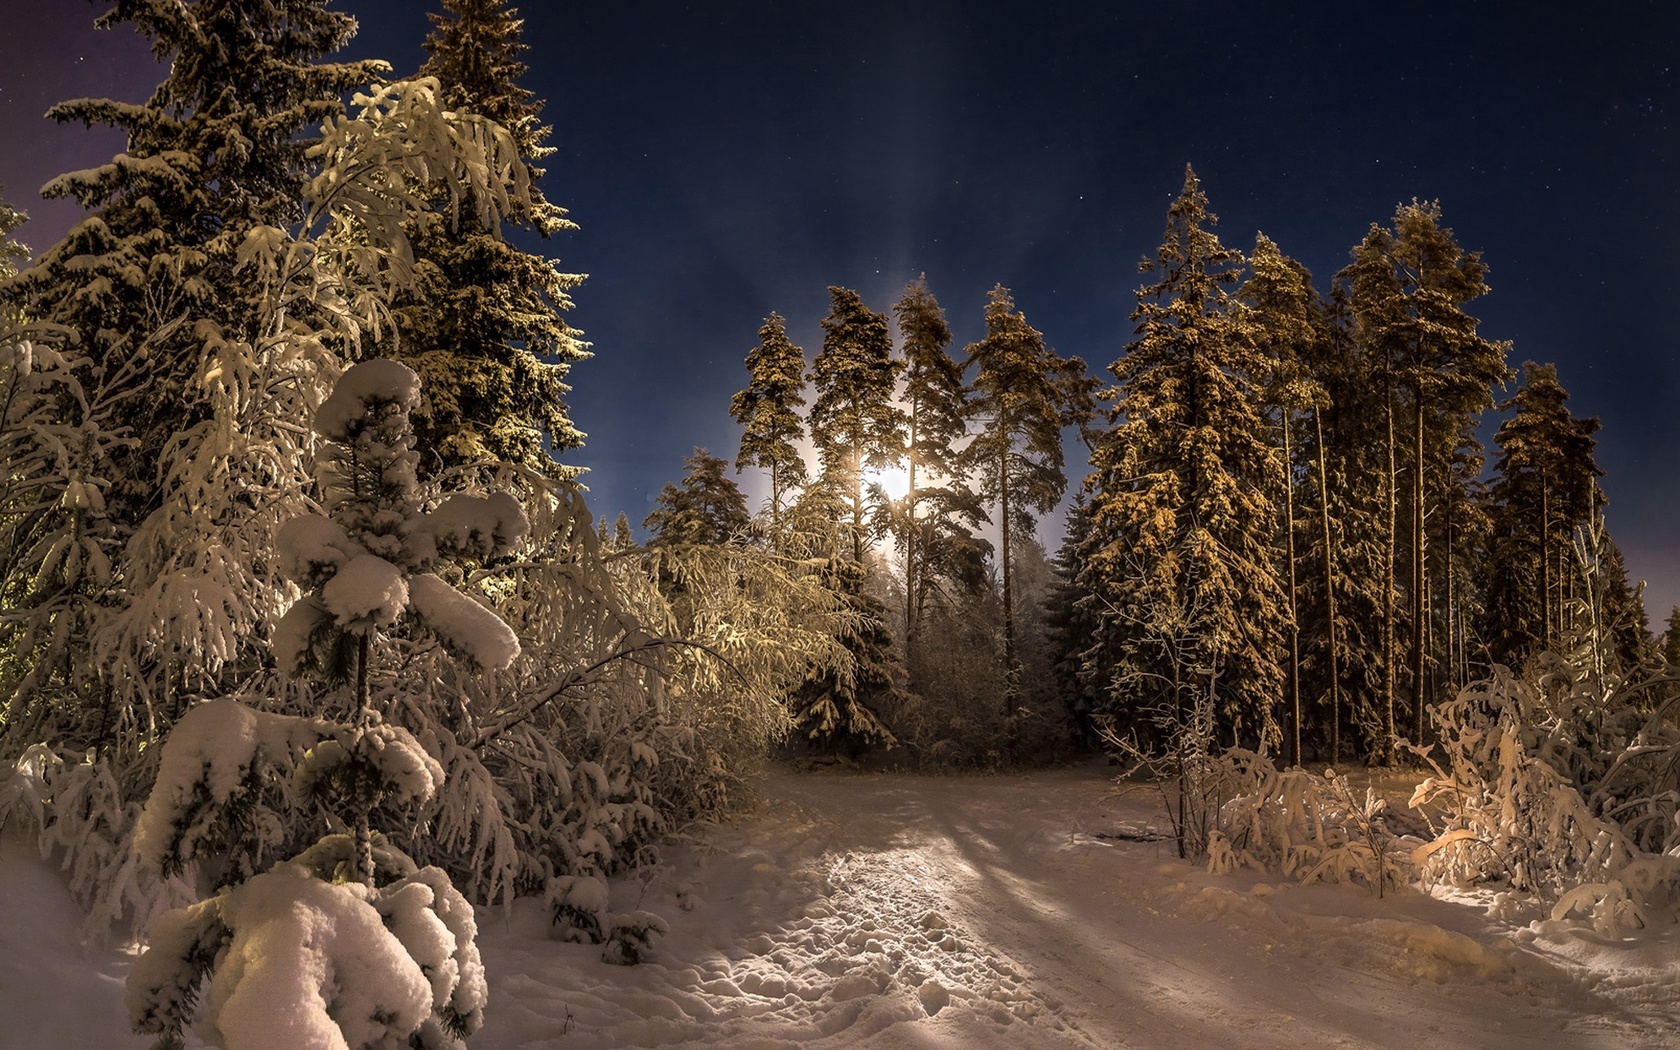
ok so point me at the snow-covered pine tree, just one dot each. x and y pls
(1407, 290)
(151, 278)
(768, 411)
(1181, 556)
(1285, 320)
(853, 421)
(349, 943)
(1022, 396)
(935, 523)
(485, 325)
(146, 303)
(1544, 488)
(121, 636)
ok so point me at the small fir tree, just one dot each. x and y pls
(349, 942)
(707, 508)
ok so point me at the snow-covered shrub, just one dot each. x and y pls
(1310, 827)
(287, 960)
(579, 907)
(632, 937)
(1560, 784)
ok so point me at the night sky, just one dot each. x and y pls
(725, 160)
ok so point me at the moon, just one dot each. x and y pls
(894, 481)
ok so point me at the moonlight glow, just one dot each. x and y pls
(892, 480)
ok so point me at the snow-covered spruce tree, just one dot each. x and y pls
(768, 411)
(349, 943)
(145, 299)
(1181, 556)
(485, 323)
(853, 422)
(117, 637)
(1022, 396)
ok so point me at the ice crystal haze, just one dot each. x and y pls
(350, 943)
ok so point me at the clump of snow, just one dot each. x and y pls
(475, 527)
(467, 629)
(213, 754)
(310, 965)
(367, 592)
(368, 388)
(437, 927)
(402, 766)
(312, 549)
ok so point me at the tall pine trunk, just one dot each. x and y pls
(1420, 556)
(1011, 673)
(1294, 604)
(1330, 644)
(1385, 747)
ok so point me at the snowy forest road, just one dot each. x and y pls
(883, 910)
(888, 911)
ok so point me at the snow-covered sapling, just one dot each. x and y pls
(632, 936)
(348, 944)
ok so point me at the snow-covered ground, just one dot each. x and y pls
(882, 910)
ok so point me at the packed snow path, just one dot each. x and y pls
(895, 911)
(970, 912)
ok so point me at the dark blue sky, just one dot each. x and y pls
(726, 159)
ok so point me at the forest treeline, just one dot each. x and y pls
(1289, 517)
(303, 613)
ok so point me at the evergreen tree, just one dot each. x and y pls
(1545, 488)
(935, 524)
(148, 281)
(364, 565)
(1022, 396)
(1285, 320)
(1181, 556)
(160, 403)
(12, 252)
(708, 507)
(854, 423)
(844, 706)
(768, 413)
(485, 327)
(1070, 626)
(1671, 638)
(1407, 288)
